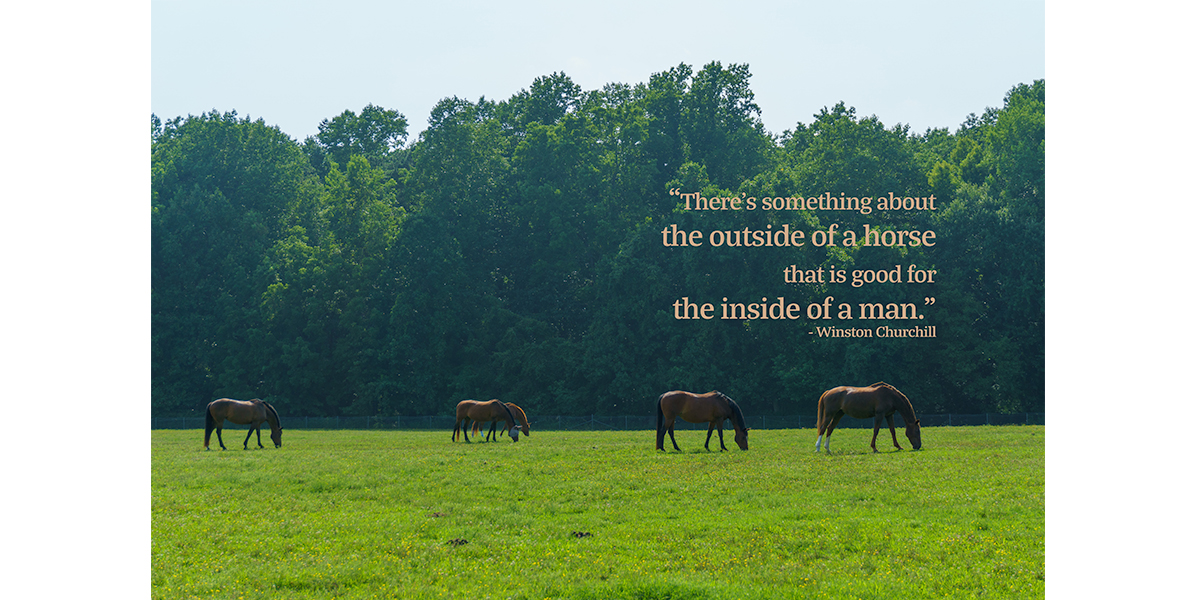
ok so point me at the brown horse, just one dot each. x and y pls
(712, 408)
(880, 401)
(469, 410)
(516, 411)
(241, 412)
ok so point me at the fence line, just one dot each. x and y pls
(617, 423)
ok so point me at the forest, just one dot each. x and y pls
(526, 250)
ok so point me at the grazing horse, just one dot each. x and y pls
(880, 401)
(712, 408)
(516, 411)
(469, 410)
(241, 412)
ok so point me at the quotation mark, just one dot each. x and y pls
(929, 301)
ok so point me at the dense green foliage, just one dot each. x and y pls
(513, 251)
(599, 515)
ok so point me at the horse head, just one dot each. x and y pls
(741, 438)
(273, 421)
(741, 433)
(913, 431)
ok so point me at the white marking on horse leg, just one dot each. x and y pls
(819, 442)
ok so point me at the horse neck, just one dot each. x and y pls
(735, 413)
(508, 415)
(904, 407)
(272, 416)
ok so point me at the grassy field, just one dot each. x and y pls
(597, 515)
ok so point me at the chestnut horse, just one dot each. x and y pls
(474, 410)
(879, 400)
(516, 411)
(241, 412)
(712, 408)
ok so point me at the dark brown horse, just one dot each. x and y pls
(241, 412)
(879, 401)
(517, 413)
(712, 408)
(474, 410)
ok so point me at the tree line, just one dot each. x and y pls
(514, 250)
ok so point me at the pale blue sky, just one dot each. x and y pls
(925, 63)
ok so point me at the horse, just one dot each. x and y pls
(712, 408)
(492, 410)
(516, 411)
(879, 400)
(241, 412)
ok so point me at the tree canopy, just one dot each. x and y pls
(513, 250)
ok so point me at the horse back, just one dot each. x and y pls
(864, 403)
(464, 409)
(695, 408)
(240, 412)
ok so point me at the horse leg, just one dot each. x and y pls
(829, 430)
(720, 435)
(258, 435)
(219, 440)
(706, 440)
(878, 423)
(492, 433)
(891, 420)
(669, 427)
(246, 442)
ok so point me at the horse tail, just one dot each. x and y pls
(660, 411)
(821, 412)
(209, 423)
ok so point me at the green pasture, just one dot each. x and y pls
(599, 515)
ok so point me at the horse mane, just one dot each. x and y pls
(509, 413)
(518, 409)
(273, 414)
(740, 421)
